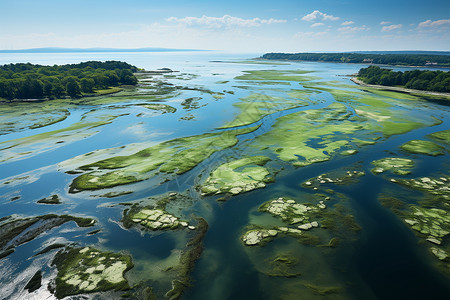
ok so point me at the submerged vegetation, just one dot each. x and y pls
(88, 270)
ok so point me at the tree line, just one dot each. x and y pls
(29, 81)
(383, 59)
(437, 81)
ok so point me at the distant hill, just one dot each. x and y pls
(394, 59)
(90, 50)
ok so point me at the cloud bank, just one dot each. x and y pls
(319, 16)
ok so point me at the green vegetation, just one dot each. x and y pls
(441, 136)
(290, 211)
(290, 142)
(400, 166)
(172, 157)
(423, 147)
(54, 199)
(187, 261)
(238, 176)
(255, 106)
(88, 270)
(28, 81)
(283, 75)
(437, 81)
(430, 217)
(383, 59)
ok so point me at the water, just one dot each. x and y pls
(385, 260)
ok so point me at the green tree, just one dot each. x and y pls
(87, 85)
(73, 89)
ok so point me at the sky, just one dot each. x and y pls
(234, 25)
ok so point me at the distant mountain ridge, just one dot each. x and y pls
(90, 50)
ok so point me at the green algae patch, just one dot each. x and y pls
(192, 103)
(430, 217)
(291, 135)
(338, 177)
(258, 237)
(163, 108)
(381, 113)
(152, 218)
(238, 176)
(434, 223)
(441, 136)
(187, 261)
(277, 75)
(256, 106)
(155, 217)
(435, 186)
(349, 152)
(399, 166)
(88, 270)
(282, 265)
(291, 212)
(423, 147)
(54, 199)
(172, 157)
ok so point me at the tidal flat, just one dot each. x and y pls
(233, 178)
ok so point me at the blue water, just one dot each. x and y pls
(385, 262)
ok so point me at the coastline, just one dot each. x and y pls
(399, 89)
(352, 63)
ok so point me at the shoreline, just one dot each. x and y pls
(399, 89)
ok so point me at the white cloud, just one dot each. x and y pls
(317, 24)
(346, 23)
(225, 21)
(391, 27)
(317, 15)
(430, 24)
(352, 30)
(385, 23)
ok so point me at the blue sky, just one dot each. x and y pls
(239, 26)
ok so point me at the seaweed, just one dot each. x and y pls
(187, 261)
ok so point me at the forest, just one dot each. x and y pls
(29, 81)
(382, 59)
(436, 81)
